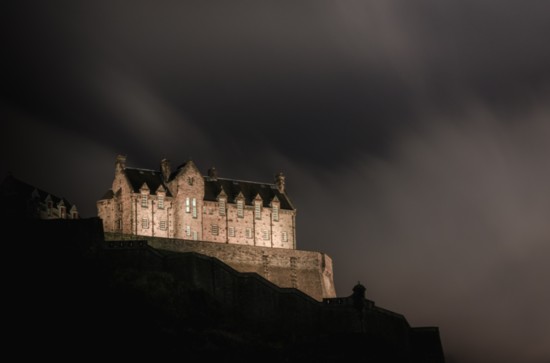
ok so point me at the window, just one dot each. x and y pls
(195, 235)
(119, 224)
(144, 223)
(240, 208)
(248, 233)
(190, 180)
(187, 205)
(160, 203)
(74, 215)
(284, 236)
(144, 200)
(215, 229)
(258, 210)
(276, 213)
(62, 211)
(194, 208)
(265, 235)
(222, 206)
(163, 225)
(231, 231)
(120, 207)
(188, 231)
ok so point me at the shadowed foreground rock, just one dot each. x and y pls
(83, 297)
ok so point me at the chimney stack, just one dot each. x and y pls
(212, 173)
(120, 163)
(165, 169)
(280, 182)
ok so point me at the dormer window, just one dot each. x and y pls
(222, 206)
(257, 209)
(275, 213)
(240, 208)
(144, 200)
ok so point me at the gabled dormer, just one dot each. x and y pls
(275, 206)
(49, 204)
(239, 200)
(144, 192)
(62, 209)
(222, 202)
(74, 212)
(161, 195)
(258, 201)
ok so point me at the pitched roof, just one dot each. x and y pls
(14, 190)
(152, 178)
(213, 187)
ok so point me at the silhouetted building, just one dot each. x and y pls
(20, 199)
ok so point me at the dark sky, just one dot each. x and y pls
(414, 134)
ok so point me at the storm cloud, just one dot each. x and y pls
(415, 131)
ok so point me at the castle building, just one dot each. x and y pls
(20, 199)
(184, 204)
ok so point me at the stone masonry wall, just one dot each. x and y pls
(309, 272)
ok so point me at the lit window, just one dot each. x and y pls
(188, 231)
(194, 208)
(163, 225)
(160, 203)
(144, 223)
(215, 229)
(248, 233)
(187, 205)
(231, 232)
(195, 235)
(284, 236)
(276, 213)
(144, 200)
(240, 208)
(265, 235)
(258, 210)
(222, 206)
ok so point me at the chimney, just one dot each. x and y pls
(280, 182)
(120, 163)
(212, 173)
(165, 169)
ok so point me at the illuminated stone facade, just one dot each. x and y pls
(184, 204)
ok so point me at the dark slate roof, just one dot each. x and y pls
(18, 191)
(152, 178)
(108, 194)
(249, 189)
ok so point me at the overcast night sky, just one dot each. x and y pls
(414, 134)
